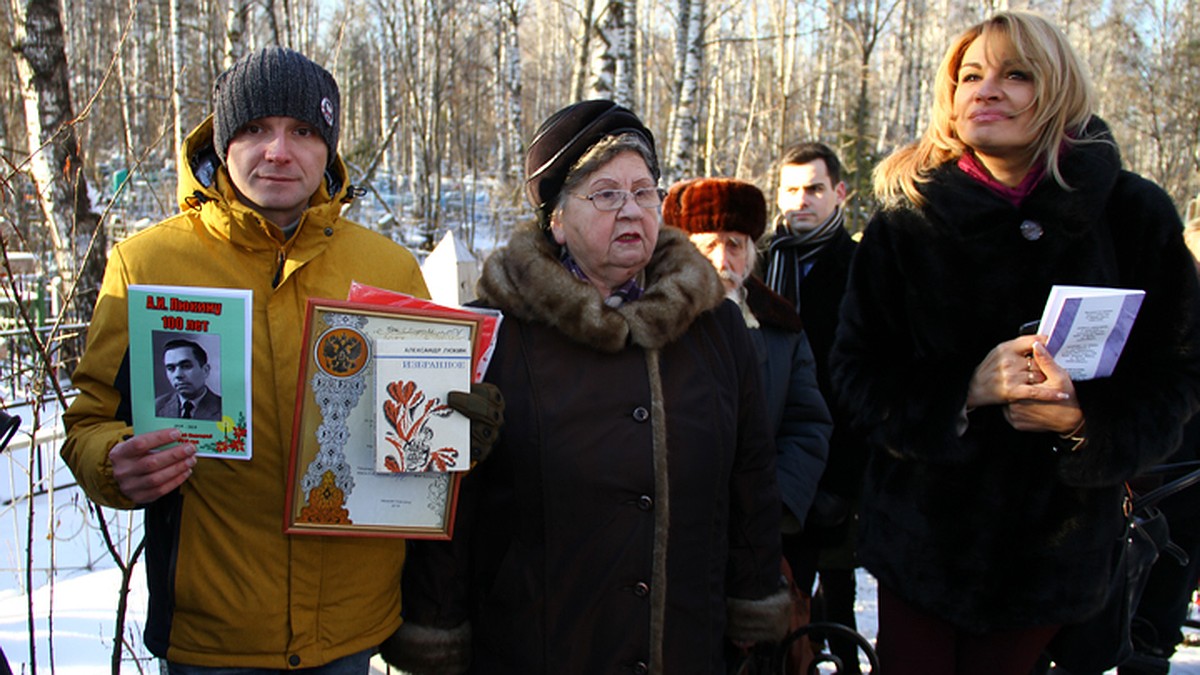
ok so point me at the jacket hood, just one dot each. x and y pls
(204, 180)
(526, 279)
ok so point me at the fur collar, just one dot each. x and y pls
(525, 279)
(770, 308)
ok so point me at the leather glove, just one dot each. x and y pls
(484, 406)
(424, 650)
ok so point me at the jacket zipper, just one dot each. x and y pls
(280, 257)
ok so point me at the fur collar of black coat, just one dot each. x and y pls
(526, 279)
(1089, 166)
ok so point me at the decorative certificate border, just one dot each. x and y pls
(333, 485)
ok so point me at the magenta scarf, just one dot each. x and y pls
(1014, 195)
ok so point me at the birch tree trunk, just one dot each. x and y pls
(716, 104)
(609, 34)
(54, 159)
(124, 100)
(509, 112)
(177, 66)
(682, 156)
(273, 22)
(752, 114)
(583, 55)
(385, 106)
(426, 28)
(785, 58)
(614, 64)
(235, 32)
(627, 58)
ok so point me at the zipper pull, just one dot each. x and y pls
(279, 260)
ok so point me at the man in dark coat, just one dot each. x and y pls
(724, 217)
(807, 262)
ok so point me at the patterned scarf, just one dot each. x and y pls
(627, 292)
(789, 251)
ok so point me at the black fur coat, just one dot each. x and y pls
(995, 528)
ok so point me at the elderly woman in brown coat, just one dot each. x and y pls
(628, 518)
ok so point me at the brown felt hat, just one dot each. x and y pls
(566, 136)
(716, 205)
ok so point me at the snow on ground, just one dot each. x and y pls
(85, 589)
(84, 611)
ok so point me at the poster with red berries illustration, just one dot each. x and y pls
(419, 430)
(376, 450)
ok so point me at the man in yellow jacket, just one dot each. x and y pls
(261, 189)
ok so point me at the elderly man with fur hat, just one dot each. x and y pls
(724, 217)
(261, 191)
(627, 520)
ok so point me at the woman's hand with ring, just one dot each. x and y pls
(1048, 404)
(1008, 373)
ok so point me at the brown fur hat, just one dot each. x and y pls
(716, 205)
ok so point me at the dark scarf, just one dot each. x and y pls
(788, 253)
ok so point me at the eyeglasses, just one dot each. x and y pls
(613, 200)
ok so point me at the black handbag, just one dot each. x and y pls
(1103, 641)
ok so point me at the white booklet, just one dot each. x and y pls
(1088, 326)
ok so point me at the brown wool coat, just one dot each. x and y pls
(628, 517)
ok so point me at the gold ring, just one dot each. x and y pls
(1029, 362)
(1029, 377)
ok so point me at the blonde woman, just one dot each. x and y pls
(992, 511)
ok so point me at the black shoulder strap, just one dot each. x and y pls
(1167, 489)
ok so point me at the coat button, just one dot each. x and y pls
(640, 668)
(645, 502)
(329, 232)
(294, 660)
(640, 414)
(641, 589)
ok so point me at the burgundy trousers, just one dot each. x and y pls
(913, 642)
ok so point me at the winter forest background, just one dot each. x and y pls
(439, 97)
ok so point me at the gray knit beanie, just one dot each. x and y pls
(275, 81)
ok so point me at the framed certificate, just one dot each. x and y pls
(376, 450)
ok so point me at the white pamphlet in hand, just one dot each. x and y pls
(1088, 326)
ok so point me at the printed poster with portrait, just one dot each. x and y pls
(376, 449)
(189, 365)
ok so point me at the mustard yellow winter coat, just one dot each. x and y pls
(227, 587)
